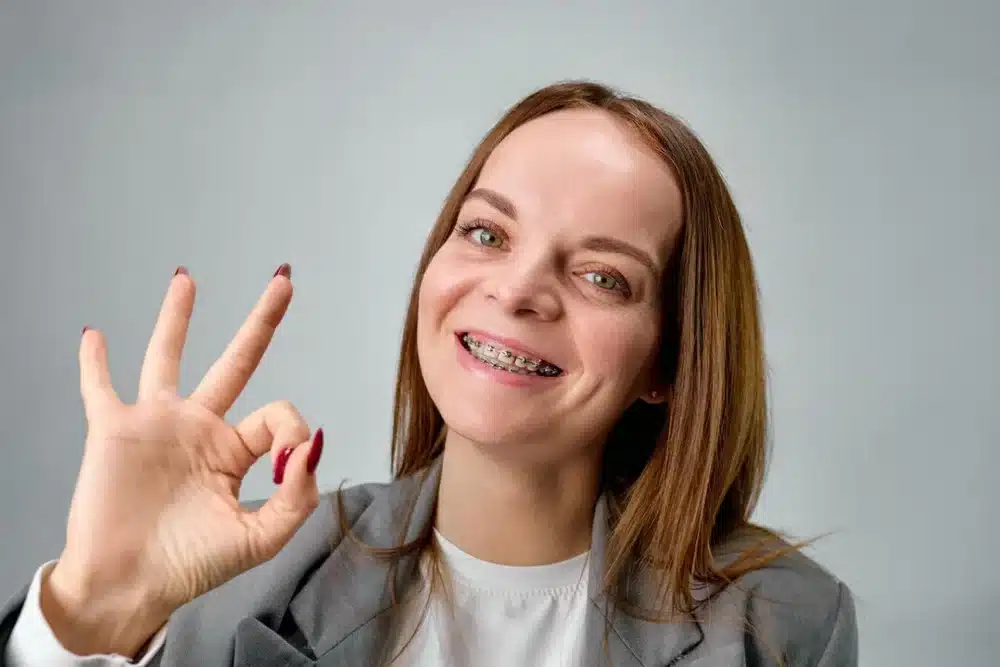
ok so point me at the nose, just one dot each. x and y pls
(525, 289)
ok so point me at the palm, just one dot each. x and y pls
(157, 496)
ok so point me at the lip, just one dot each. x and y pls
(512, 344)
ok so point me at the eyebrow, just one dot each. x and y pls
(496, 200)
(595, 243)
(608, 244)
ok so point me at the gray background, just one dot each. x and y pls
(860, 139)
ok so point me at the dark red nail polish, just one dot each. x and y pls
(315, 452)
(181, 271)
(279, 464)
(85, 330)
(284, 270)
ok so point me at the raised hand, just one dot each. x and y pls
(155, 519)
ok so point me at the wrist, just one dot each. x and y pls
(88, 618)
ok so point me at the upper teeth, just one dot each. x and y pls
(506, 359)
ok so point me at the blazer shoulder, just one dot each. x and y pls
(799, 610)
(356, 497)
(202, 631)
(343, 506)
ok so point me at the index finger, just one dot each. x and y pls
(230, 373)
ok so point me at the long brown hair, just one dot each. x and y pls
(683, 476)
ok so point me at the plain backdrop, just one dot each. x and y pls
(860, 140)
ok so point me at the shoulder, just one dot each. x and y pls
(795, 608)
(349, 503)
(357, 508)
(202, 631)
(370, 502)
(357, 497)
(372, 512)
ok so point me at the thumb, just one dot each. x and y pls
(293, 502)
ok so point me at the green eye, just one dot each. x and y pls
(602, 280)
(485, 237)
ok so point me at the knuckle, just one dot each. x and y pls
(284, 407)
(155, 412)
(158, 400)
(288, 417)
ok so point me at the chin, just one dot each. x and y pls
(515, 446)
(491, 432)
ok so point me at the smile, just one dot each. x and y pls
(506, 359)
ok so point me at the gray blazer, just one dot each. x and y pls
(322, 602)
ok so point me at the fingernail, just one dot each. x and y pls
(284, 270)
(315, 452)
(279, 464)
(181, 271)
(85, 330)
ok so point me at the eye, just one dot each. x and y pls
(485, 237)
(602, 280)
(608, 281)
(482, 233)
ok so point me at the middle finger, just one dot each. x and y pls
(161, 365)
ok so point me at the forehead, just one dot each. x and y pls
(588, 169)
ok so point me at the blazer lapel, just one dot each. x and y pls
(315, 606)
(351, 626)
(257, 644)
(242, 620)
(612, 633)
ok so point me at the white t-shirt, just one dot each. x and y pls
(497, 616)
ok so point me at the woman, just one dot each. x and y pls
(579, 439)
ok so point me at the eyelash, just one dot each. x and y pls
(465, 229)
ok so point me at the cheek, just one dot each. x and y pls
(620, 349)
(440, 291)
(435, 297)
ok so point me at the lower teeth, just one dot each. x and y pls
(515, 371)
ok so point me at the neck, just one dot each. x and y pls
(515, 514)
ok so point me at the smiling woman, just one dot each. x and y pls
(579, 440)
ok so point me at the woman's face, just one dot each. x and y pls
(538, 320)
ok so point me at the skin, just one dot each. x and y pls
(525, 460)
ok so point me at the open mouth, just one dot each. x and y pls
(506, 359)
